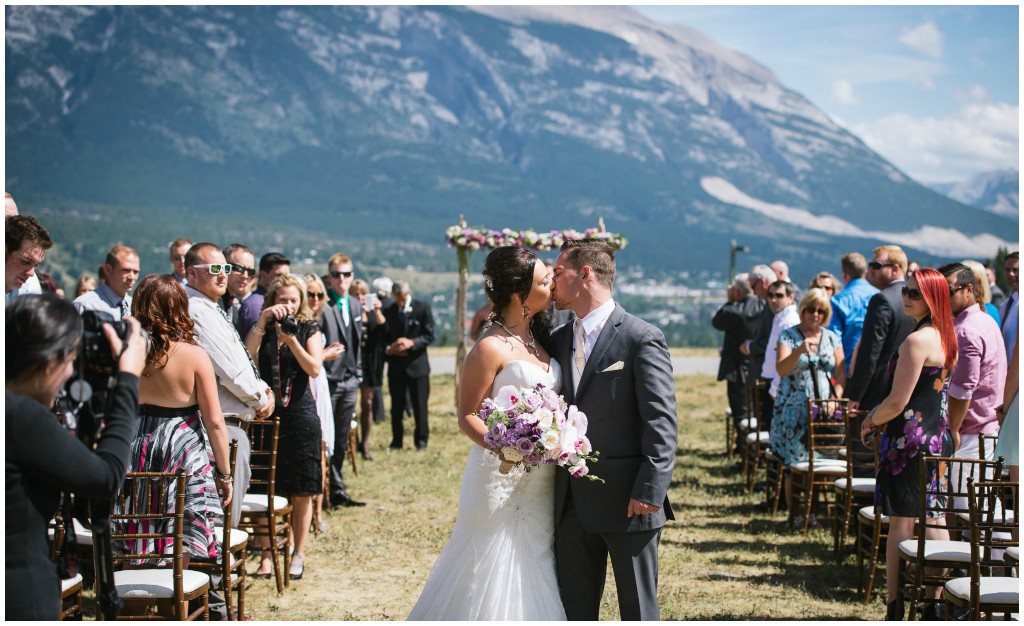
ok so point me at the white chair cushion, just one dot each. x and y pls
(860, 485)
(1013, 552)
(83, 533)
(156, 583)
(237, 537)
(938, 550)
(763, 437)
(821, 466)
(728, 411)
(1002, 515)
(257, 503)
(994, 589)
(868, 514)
(748, 424)
(68, 583)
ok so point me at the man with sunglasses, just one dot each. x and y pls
(243, 270)
(341, 322)
(976, 383)
(781, 300)
(885, 327)
(272, 265)
(177, 251)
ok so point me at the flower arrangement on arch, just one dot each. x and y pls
(534, 425)
(477, 238)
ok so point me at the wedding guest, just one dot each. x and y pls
(242, 394)
(86, 283)
(781, 297)
(410, 329)
(43, 335)
(177, 250)
(122, 270)
(737, 319)
(976, 384)
(377, 343)
(850, 306)
(912, 266)
(886, 325)
(1010, 312)
(291, 358)
(910, 420)
(761, 277)
(26, 243)
(372, 350)
(316, 295)
(180, 422)
(997, 294)
(827, 282)
(240, 281)
(32, 284)
(983, 295)
(273, 265)
(809, 357)
(341, 322)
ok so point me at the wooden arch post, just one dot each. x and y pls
(460, 313)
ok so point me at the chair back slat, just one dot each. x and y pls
(826, 428)
(993, 506)
(263, 441)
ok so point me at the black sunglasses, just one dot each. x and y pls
(251, 271)
(953, 290)
(821, 312)
(913, 294)
(340, 274)
(315, 295)
(776, 296)
(875, 265)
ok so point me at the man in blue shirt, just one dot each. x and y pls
(122, 270)
(851, 304)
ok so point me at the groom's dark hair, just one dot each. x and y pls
(595, 253)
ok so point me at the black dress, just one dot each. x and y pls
(921, 428)
(375, 340)
(298, 444)
(43, 460)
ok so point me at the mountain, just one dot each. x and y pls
(370, 129)
(997, 191)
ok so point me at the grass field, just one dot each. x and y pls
(719, 560)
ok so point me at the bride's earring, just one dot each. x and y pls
(526, 311)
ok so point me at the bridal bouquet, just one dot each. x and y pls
(529, 426)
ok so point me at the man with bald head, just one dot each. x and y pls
(122, 270)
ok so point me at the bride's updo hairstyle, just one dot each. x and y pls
(508, 272)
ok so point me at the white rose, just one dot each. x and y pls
(512, 455)
(551, 440)
(545, 418)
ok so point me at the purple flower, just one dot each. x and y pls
(498, 431)
(525, 445)
(533, 401)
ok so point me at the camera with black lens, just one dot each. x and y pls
(289, 325)
(96, 355)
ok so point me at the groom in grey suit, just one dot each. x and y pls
(617, 370)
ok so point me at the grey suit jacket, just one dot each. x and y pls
(632, 423)
(350, 363)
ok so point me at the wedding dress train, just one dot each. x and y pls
(499, 563)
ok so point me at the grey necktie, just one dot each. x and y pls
(579, 355)
(125, 310)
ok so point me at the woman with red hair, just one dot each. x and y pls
(911, 420)
(180, 421)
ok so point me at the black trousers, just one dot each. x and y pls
(418, 390)
(737, 395)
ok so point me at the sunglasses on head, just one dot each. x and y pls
(315, 295)
(776, 296)
(913, 294)
(875, 265)
(217, 268)
(340, 274)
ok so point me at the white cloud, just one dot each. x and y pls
(926, 38)
(842, 92)
(981, 136)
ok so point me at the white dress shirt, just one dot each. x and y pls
(786, 318)
(103, 299)
(593, 324)
(239, 386)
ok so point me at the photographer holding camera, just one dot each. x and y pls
(44, 334)
(287, 345)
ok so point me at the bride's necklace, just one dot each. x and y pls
(530, 345)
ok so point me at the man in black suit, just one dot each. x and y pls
(761, 278)
(341, 322)
(885, 328)
(738, 319)
(410, 329)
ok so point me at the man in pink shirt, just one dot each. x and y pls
(976, 386)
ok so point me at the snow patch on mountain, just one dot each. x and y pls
(931, 239)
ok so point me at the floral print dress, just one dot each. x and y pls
(809, 379)
(922, 428)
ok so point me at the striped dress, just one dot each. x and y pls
(167, 440)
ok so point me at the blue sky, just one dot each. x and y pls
(934, 89)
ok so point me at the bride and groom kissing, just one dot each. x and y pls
(533, 545)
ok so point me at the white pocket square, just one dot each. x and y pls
(614, 367)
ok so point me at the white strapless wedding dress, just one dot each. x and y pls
(499, 563)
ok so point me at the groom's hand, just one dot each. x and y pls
(637, 507)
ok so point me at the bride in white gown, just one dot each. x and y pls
(499, 563)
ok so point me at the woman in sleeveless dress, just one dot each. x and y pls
(499, 563)
(180, 421)
(289, 362)
(912, 419)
